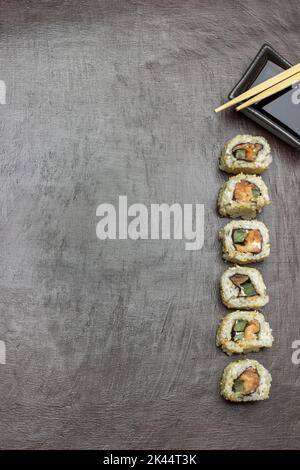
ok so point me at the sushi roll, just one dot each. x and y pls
(245, 241)
(242, 332)
(246, 153)
(243, 196)
(243, 288)
(245, 380)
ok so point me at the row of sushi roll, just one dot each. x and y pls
(242, 288)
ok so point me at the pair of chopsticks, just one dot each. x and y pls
(265, 89)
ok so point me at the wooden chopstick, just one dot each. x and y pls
(270, 91)
(261, 87)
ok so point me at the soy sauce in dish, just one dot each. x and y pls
(284, 107)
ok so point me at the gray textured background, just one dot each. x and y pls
(111, 345)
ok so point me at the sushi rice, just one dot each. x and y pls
(234, 370)
(231, 295)
(247, 209)
(263, 339)
(230, 164)
(230, 252)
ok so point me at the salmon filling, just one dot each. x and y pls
(247, 241)
(247, 382)
(245, 330)
(245, 191)
(247, 152)
(243, 282)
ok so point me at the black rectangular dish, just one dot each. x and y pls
(280, 113)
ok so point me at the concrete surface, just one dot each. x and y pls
(111, 344)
